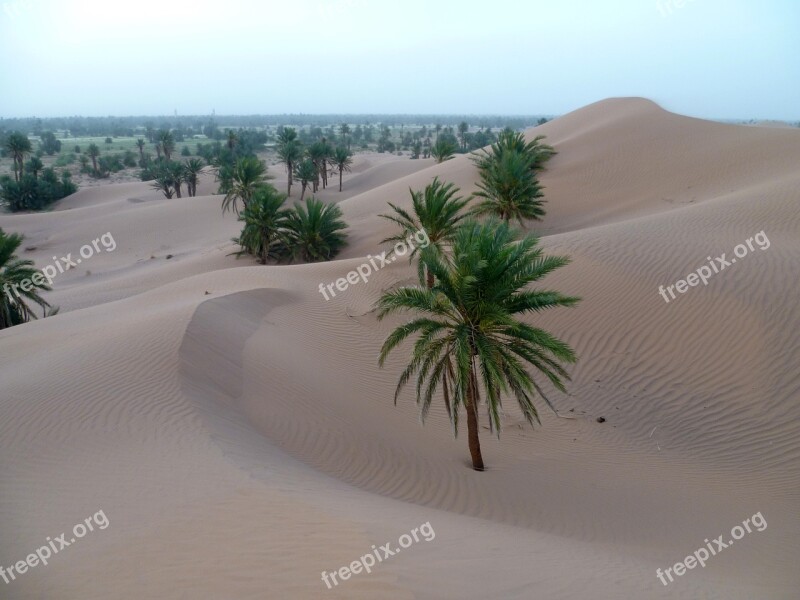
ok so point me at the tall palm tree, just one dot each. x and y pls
(248, 174)
(14, 272)
(167, 142)
(344, 131)
(510, 189)
(264, 220)
(191, 173)
(290, 153)
(233, 139)
(318, 154)
(436, 210)
(470, 339)
(176, 175)
(306, 173)
(442, 150)
(314, 230)
(93, 151)
(140, 145)
(18, 146)
(343, 161)
(463, 128)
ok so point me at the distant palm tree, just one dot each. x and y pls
(436, 210)
(318, 154)
(442, 150)
(264, 220)
(248, 174)
(306, 172)
(343, 161)
(176, 176)
(463, 128)
(167, 142)
(470, 339)
(14, 272)
(18, 146)
(510, 189)
(140, 145)
(233, 139)
(344, 131)
(191, 173)
(314, 230)
(34, 166)
(93, 151)
(290, 153)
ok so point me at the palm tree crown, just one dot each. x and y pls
(469, 338)
(14, 301)
(315, 231)
(248, 174)
(437, 210)
(510, 189)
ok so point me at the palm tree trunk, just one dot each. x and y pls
(472, 424)
(303, 192)
(430, 280)
(340, 179)
(289, 187)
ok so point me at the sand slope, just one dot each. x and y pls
(235, 428)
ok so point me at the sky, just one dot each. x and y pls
(718, 59)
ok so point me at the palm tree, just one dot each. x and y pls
(14, 273)
(509, 140)
(93, 151)
(176, 173)
(140, 145)
(247, 176)
(18, 146)
(191, 173)
(442, 150)
(470, 338)
(264, 220)
(232, 139)
(344, 131)
(35, 165)
(290, 153)
(167, 142)
(162, 181)
(436, 210)
(510, 188)
(343, 161)
(306, 173)
(318, 154)
(314, 231)
(463, 128)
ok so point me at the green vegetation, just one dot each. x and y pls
(247, 175)
(442, 150)
(436, 210)
(314, 231)
(20, 283)
(265, 222)
(469, 338)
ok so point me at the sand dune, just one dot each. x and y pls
(235, 428)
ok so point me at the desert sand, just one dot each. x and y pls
(237, 432)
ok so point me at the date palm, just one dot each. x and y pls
(469, 336)
(314, 231)
(18, 146)
(514, 141)
(343, 161)
(191, 174)
(306, 173)
(264, 222)
(14, 272)
(442, 150)
(167, 142)
(140, 145)
(437, 210)
(93, 151)
(247, 175)
(510, 189)
(290, 153)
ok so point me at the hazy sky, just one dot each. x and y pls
(706, 58)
